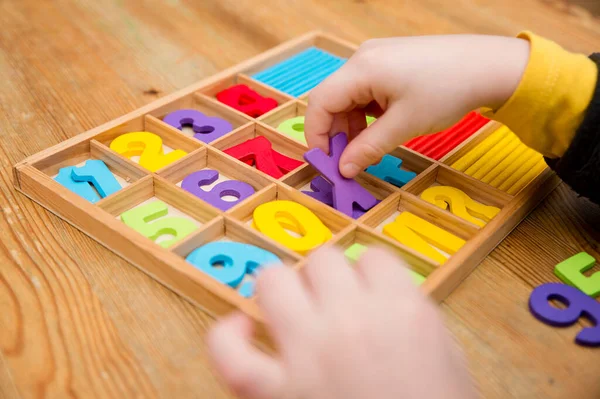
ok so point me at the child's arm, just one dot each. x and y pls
(421, 85)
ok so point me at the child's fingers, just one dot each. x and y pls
(331, 279)
(357, 122)
(341, 92)
(286, 305)
(384, 273)
(249, 372)
(381, 137)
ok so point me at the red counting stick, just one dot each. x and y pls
(259, 151)
(246, 100)
(439, 144)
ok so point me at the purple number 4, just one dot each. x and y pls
(346, 192)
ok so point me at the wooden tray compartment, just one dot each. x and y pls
(281, 143)
(406, 202)
(328, 43)
(207, 105)
(179, 202)
(300, 180)
(412, 161)
(240, 78)
(172, 138)
(210, 158)
(335, 221)
(225, 228)
(369, 238)
(125, 171)
(443, 175)
(283, 113)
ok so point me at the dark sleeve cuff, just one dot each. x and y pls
(579, 167)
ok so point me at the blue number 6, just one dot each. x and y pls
(229, 262)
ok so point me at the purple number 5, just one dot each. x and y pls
(578, 304)
(235, 188)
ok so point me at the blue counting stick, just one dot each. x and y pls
(301, 72)
(83, 189)
(389, 170)
(97, 173)
(236, 260)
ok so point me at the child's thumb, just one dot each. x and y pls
(380, 138)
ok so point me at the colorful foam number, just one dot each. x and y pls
(389, 170)
(81, 179)
(577, 305)
(149, 221)
(356, 250)
(97, 174)
(422, 236)
(273, 218)
(246, 100)
(83, 189)
(206, 128)
(148, 146)
(293, 127)
(346, 192)
(193, 183)
(323, 191)
(571, 272)
(460, 204)
(231, 262)
(259, 152)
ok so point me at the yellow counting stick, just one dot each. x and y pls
(493, 159)
(148, 146)
(513, 167)
(461, 204)
(420, 235)
(272, 218)
(485, 158)
(505, 163)
(472, 156)
(521, 171)
(529, 176)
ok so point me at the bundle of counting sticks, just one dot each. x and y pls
(502, 161)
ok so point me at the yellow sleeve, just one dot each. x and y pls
(550, 102)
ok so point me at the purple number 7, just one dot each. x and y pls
(346, 192)
(578, 304)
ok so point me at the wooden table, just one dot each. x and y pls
(76, 320)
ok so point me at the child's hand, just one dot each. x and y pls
(414, 86)
(342, 334)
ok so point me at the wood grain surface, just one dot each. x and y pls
(77, 321)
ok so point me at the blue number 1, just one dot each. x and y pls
(80, 180)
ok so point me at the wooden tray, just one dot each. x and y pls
(33, 177)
